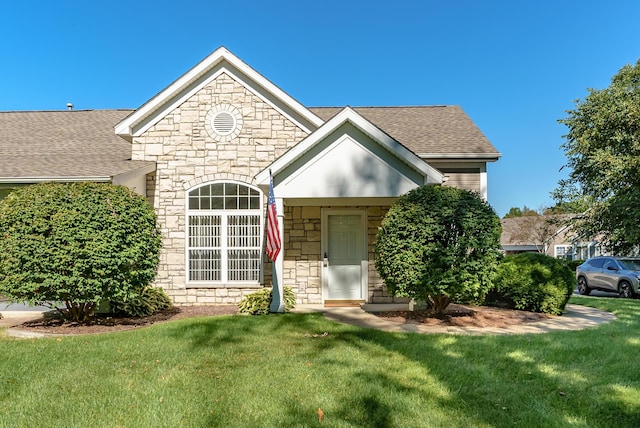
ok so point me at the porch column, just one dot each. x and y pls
(277, 302)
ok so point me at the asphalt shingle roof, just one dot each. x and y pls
(425, 130)
(83, 143)
(56, 144)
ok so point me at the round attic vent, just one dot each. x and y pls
(223, 122)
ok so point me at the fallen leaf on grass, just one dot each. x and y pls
(320, 414)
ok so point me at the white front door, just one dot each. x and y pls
(345, 252)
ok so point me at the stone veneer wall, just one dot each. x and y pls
(303, 259)
(377, 291)
(186, 156)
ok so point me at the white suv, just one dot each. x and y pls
(614, 274)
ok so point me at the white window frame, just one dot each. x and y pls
(224, 216)
(568, 250)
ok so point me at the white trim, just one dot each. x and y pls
(71, 179)
(460, 156)
(200, 75)
(354, 202)
(483, 182)
(224, 213)
(136, 172)
(324, 243)
(58, 179)
(431, 174)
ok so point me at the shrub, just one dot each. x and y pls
(150, 301)
(439, 244)
(532, 282)
(258, 303)
(573, 264)
(77, 243)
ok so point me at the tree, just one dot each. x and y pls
(438, 244)
(536, 229)
(520, 212)
(78, 243)
(603, 153)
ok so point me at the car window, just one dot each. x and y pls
(610, 264)
(596, 263)
(630, 264)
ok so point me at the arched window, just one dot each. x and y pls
(224, 234)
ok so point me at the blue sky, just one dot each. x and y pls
(514, 66)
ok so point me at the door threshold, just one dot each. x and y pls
(343, 303)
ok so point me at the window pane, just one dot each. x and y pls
(243, 231)
(243, 265)
(255, 203)
(231, 203)
(205, 203)
(204, 265)
(194, 203)
(217, 203)
(217, 189)
(204, 231)
(230, 189)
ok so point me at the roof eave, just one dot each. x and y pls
(487, 157)
(59, 179)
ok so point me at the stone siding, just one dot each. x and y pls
(302, 258)
(186, 156)
(377, 290)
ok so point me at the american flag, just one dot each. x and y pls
(273, 231)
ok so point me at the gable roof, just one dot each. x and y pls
(64, 145)
(431, 132)
(218, 62)
(365, 155)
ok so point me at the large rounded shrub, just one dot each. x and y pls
(77, 243)
(439, 244)
(532, 282)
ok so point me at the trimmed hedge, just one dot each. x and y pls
(532, 282)
(438, 244)
(77, 243)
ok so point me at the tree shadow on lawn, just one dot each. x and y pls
(387, 379)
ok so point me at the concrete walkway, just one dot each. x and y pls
(576, 317)
(16, 313)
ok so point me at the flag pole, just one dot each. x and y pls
(274, 246)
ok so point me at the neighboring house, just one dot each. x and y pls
(203, 150)
(545, 234)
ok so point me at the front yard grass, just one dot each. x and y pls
(241, 371)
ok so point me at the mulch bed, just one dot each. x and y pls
(465, 316)
(53, 324)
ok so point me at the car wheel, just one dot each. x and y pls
(625, 290)
(583, 288)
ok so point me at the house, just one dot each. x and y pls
(203, 150)
(547, 234)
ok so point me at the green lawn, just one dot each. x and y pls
(271, 372)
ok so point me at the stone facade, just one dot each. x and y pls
(189, 151)
(303, 258)
(187, 155)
